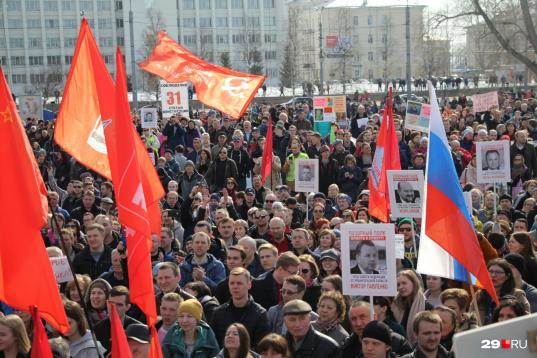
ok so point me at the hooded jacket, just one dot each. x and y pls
(85, 348)
(96, 316)
(205, 345)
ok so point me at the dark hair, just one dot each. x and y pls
(200, 287)
(517, 307)
(274, 342)
(75, 312)
(244, 339)
(239, 249)
(120, 290)
(509, 285)
(336, 281)
(525, 240)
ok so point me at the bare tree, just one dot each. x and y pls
(49, 84)
(155, 23)
(510, 22)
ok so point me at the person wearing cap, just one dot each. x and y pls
(242, 159)
(174, 132)
(303, 340)
(328, 168)
(171, 164)
(191, 132)
(339, 153)
(138, 338)
(329, 210)
(220, 169)
(241, 308)
(221, 143)
(191, 337)
(189, 179)
(405, 226)
(376, 341)
(301, 123)
(107, 204)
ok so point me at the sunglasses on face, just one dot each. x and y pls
(405, 229)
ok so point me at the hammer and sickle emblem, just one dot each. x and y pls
(235, 91)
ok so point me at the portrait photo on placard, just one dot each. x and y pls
(307, 175)
(493, 162)
(368, 257)
(405, 189)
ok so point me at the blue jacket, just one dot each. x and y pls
(205, 346)
(214, 271)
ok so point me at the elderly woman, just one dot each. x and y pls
(331, 310)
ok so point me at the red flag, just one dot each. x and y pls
(386, 158)
(266, 162)
(81, 132)
(228, 91)
(22, 215)
(40, 344)
(155, 350)
(120, 346)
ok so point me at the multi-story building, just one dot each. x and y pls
(38, 38)
(359, 42)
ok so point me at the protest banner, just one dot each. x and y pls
(174, 98)
(368, 259)
(405, 188)
(329, 108)
(307, 175)
(399, 246)
(417, 116)
(493, 162)
(31, 107)
(60, 267)
(483, 102)
(149, 117)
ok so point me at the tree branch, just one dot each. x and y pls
(528, 22)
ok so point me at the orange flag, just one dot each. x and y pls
(129, 189)
(266, 161)
(120, 346)
(87, 108)
(228, 91)
(386, 158)
(23, 213)
(40, 344)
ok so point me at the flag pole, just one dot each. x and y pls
(77, 285)
(371, 308)
(474, 300)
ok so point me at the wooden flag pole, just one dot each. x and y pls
(474, 300)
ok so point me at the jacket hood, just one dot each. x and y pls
(98, 281)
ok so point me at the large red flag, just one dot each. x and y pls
(386, 158)
(130, 198)
(40, 344)
(120, 346)
(228, 91)
(23, 213)
(87, 108)
(266, 162)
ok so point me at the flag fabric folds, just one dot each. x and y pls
(23, 214)
(386, 158)
(266, 161)
(228, 91)
(447, 222)
(40, 344)
(87, 109)
(120, 346)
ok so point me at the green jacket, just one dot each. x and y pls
(205, 346)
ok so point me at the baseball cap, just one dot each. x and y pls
(138, 332)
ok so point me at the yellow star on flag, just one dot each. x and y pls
(6, 115)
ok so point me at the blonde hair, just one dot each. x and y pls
(16, 325)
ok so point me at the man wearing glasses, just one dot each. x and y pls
(405, 228)
(293, 288)
(261, 228)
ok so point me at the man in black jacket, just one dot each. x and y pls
(302, 339)
(96, 258)
(242, 160)
(240, 308)
(174, 132)
(428, 330)
(119, 297)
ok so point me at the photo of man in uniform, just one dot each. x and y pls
(367, 258)
(405, 193)
(148, 117)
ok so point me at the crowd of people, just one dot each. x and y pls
(242, 269)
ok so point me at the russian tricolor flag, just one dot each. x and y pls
(448, 243)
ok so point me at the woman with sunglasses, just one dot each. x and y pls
(309, 271)
(232, 189)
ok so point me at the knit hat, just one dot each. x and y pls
(466, 131)
(330, 254)
(516, 260)
(379, 331)
(325, 148)
(193, 307)
(338, 141)
(189, 162)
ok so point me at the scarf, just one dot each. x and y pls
(418, 305)
(325, 327)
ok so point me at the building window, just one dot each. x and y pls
(37, 78)
(18, 60)
(35, 60)
(51, 5)
(270, 55)
(104, 5)
(270, 20)
(268, 4)
(33, 23)
(370, 20)
(54, 60)
(3, 60)
(221, 22)
(1, 23)
(105, 23)
(52, 23)
(68, 5)
(2, 43)
(253, 21)
(384, 20)
(237, 21)
(68, 60)
(69, 42)
(236, 4)
(220, 4)
(253, 4)
(14, 5)
(189, 39)
(106, 42)
(35, 42)
(205, 22)
(108, 59)
(188, 4)
(355, 20)
(237, 38)
(204, 4)
(206, 39)
(32, 5)
(384, 38)
(384, 56)
(370, 56)
(221, 39)
(16, 42)
(14, 24)
(120, 41)
(54, 77)
(119, 23)
(86, 5)
(119, 5)
(254, 38)
(370, 38)
(189, 22)
(53, 42)
(355, 39)
(273, 72)
(18, 79)
(270, 38)
(70, 23)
